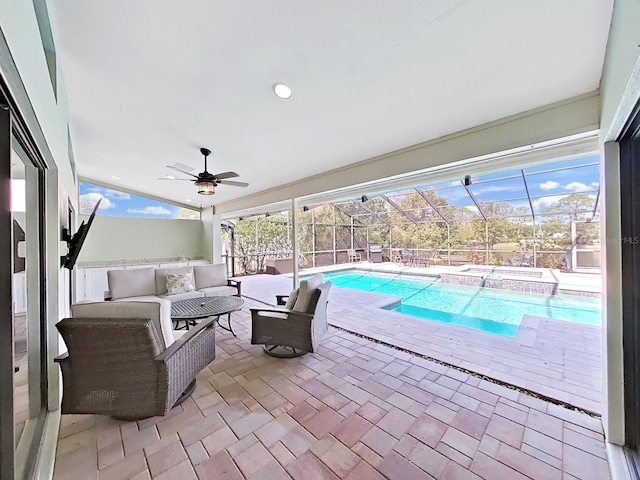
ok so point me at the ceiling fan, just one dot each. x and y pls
(206, 181)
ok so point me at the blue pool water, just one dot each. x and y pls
(490, 310)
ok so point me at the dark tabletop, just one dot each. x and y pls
(202, 307)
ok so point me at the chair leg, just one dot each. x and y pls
(281, 351)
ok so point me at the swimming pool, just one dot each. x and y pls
(491, 310)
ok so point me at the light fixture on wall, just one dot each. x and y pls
(364, 198)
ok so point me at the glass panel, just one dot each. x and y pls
(21, 358)
(29, 396)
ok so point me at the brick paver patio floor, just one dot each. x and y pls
(555, 358)
(353, 410)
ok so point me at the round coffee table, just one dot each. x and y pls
(197, 308)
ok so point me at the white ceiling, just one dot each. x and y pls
(149, 82)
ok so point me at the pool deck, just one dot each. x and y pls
(555, 358)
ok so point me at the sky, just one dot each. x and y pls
(121, 204)
(546, 188)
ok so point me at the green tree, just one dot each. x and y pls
(258, 237)
(577, 205)
(498, 227)
(188, 214)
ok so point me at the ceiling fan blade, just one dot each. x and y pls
(172, 167)
(234, 183)
(222, 176)
(173, 179)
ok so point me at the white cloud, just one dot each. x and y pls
(116, 194)
(495, 188)
(595, 184)
(549, 185)
(577, 187)
(89, 200)
(107, 192)
(540, 204)
(150, 211)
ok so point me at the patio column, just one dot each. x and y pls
(351, 233)
(535, 241)
(212, 248)
(313, 238)
(574, 252)
(295, 241)
(368, 249)
(335, 260)
(486, 242)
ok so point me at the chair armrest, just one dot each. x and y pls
(280, 299)
(290, 313)
(235, 283)
(185, 339)
(61, 358)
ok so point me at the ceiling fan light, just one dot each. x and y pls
(205, 188)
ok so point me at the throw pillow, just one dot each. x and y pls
(291, 301)
(179, 283)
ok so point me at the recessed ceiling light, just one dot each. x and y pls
(188, 199)
(171, 177)
(282, 91)
(115, 178)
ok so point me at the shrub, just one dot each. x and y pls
(475, 257)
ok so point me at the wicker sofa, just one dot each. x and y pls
(150, 283)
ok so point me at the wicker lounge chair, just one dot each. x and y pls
(121, 363)
(296, 328)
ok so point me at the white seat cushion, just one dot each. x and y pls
(182, 296)
(214, 275)
(305, 292)
(131, 283)
(223, 291)
(156, 309)
(142, 298)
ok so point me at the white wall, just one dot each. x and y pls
(621, 58)
(619, 92)
(121, 239)
(207, 217)
(20, 29)
(47, 113)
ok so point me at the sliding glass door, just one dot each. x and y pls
(23, 331)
